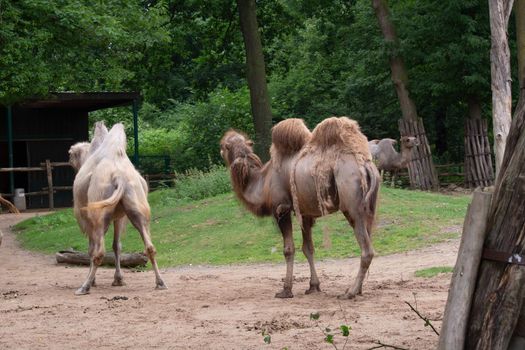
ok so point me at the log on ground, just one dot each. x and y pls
(78, 258)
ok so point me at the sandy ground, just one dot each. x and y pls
(224, 307)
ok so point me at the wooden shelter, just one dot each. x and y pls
(38, 130)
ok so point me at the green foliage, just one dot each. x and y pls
(194, 185)
(314, 316)
(75, 45)
(187, 59)
(345, 330)
(329, 334)
(267, 338)
(217, 230)
(190, 132)
(433, 271)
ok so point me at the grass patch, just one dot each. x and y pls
(217, 230)
(433, 271)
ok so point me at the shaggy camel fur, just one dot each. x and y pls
(267, 189)
(388, 159)
(108, 188)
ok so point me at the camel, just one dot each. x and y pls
(388, 159)
(312, 174)
(108, 188)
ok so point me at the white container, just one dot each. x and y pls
(19, 199)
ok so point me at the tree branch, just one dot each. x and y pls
(427, 321)
(383, 345)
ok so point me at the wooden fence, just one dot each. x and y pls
(50, 189)
(448, 174)
(154, 180)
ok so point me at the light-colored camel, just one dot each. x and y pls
(388, 159)
(108, 188)
(321, 171)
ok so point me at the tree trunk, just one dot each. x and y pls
(408, 107)
(518, 340)
(519, 12)
(256, 76)
(499, 11)
(397, 66)
(441, 131)
(478, 158)
(500, 284)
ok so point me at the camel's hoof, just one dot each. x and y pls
(118, 283)
(285, 293)
(161, 286)
(314, 288)
(81, 291)
(346, 296)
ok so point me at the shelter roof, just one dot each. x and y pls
(87, 101)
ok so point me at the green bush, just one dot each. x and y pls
(194, 184)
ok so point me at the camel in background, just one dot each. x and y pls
(388, 159)
(108, 188)
(313, 174)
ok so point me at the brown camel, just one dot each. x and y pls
(313, 174)
(108, 188)
(388, 159)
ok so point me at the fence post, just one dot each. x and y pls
(50, 184)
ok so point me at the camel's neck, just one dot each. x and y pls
(248, 179)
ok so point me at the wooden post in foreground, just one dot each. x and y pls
(452, 335)
(500, 284)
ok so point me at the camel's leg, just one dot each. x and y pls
(96, 252)
(308, 250)
(141, 223)
(367, 254)
(393, 179)
(119, 226)
(94, 282)
(285, 225)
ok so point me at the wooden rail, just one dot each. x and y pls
(50, 190)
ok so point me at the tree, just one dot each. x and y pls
(75, 45)
(422, 172)
(498, 299)
(500, 75)
(499, 290)
(256, 76)
(520, 39)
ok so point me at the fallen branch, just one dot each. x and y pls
(383, 345)
(78, 258)
(427, 321)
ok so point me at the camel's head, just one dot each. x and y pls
(235, 144)
(409, 142)
(78, 154)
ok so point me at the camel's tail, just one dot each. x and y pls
(371, 194)
(112, 201)
(9, 205)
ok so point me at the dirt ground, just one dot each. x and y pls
(223, 307)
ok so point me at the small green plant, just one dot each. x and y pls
(433, 271)
(329, 334)
(266, 337)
